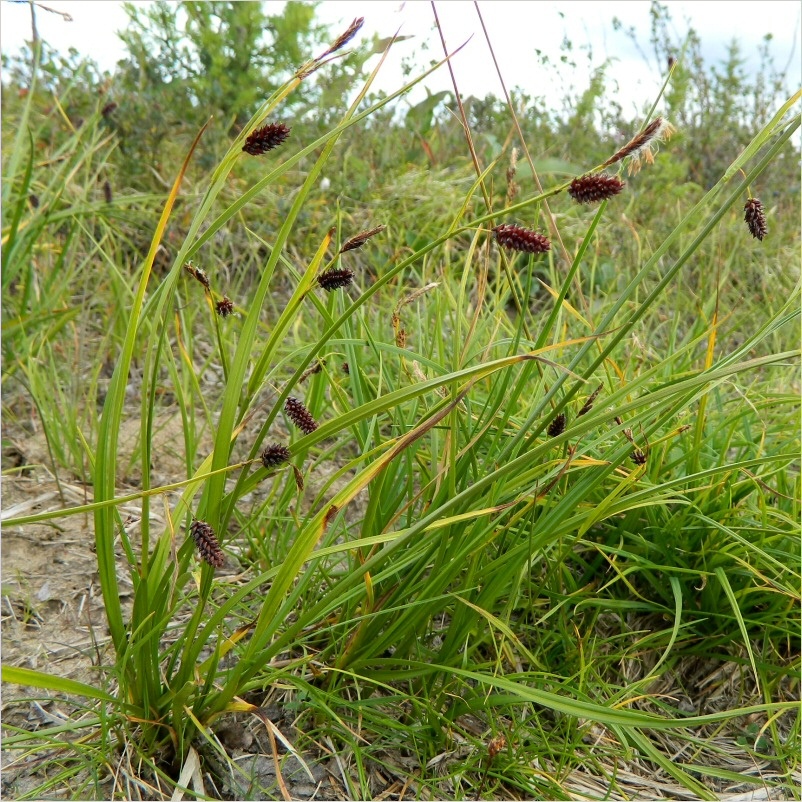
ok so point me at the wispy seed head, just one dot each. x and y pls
(344, 38)
(639, 148)
(197, 273)
(360, 239)
(755, 217)
(518, 238)
(594, 188)
(266, 138)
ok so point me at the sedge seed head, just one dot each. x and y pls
(274, 455)
(266, 138)
(755, 217)
(206, 543)
(335, 278)
(300, 415)
(518, 238)
(595, 188)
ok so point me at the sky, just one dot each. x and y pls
(515, 28)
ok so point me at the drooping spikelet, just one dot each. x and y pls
(316, 368)
(755, 217)
(518, 238)
(300, 415)
(274, 455)
(360, 239)
(639, 148)
(224, 307)
(266, 138)
(206, 543)
(588, 405)
(557, 426)
(198, 273)
(344, 38)
(334, 278)
(594, 188)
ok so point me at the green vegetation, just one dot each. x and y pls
(469, 579)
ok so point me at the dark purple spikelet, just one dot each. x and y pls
(346, 369)
(588, 405)
(107, 193)
(300, 415)
(224, 307)
(274, 455)
(266, 138)
(360, 239)
(518, 238)
(206, 543)
(108, 108)
(334, 278)
(594, 188)
(638, 457)
(34, 201)
(755, 217)
(557, 426)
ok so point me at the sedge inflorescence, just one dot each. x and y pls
(206, 543)
(518, 238)
(595, 188)
(300, 415)
(266, 138)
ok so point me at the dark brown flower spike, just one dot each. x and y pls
(108, 108)
(266, 138)
(557, 426)
(594, 188)
(518, 238)
(755, 217)
(107, 193)
(224, 307)
(640, 146)
(300, 415)
(344, 38)
(274, 455)
(335, 278)
(206, 543)
(638, 457)
(360, 239)
(346, 369)
(588, 405)
(198, 274)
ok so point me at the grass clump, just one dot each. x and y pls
(544, 525)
